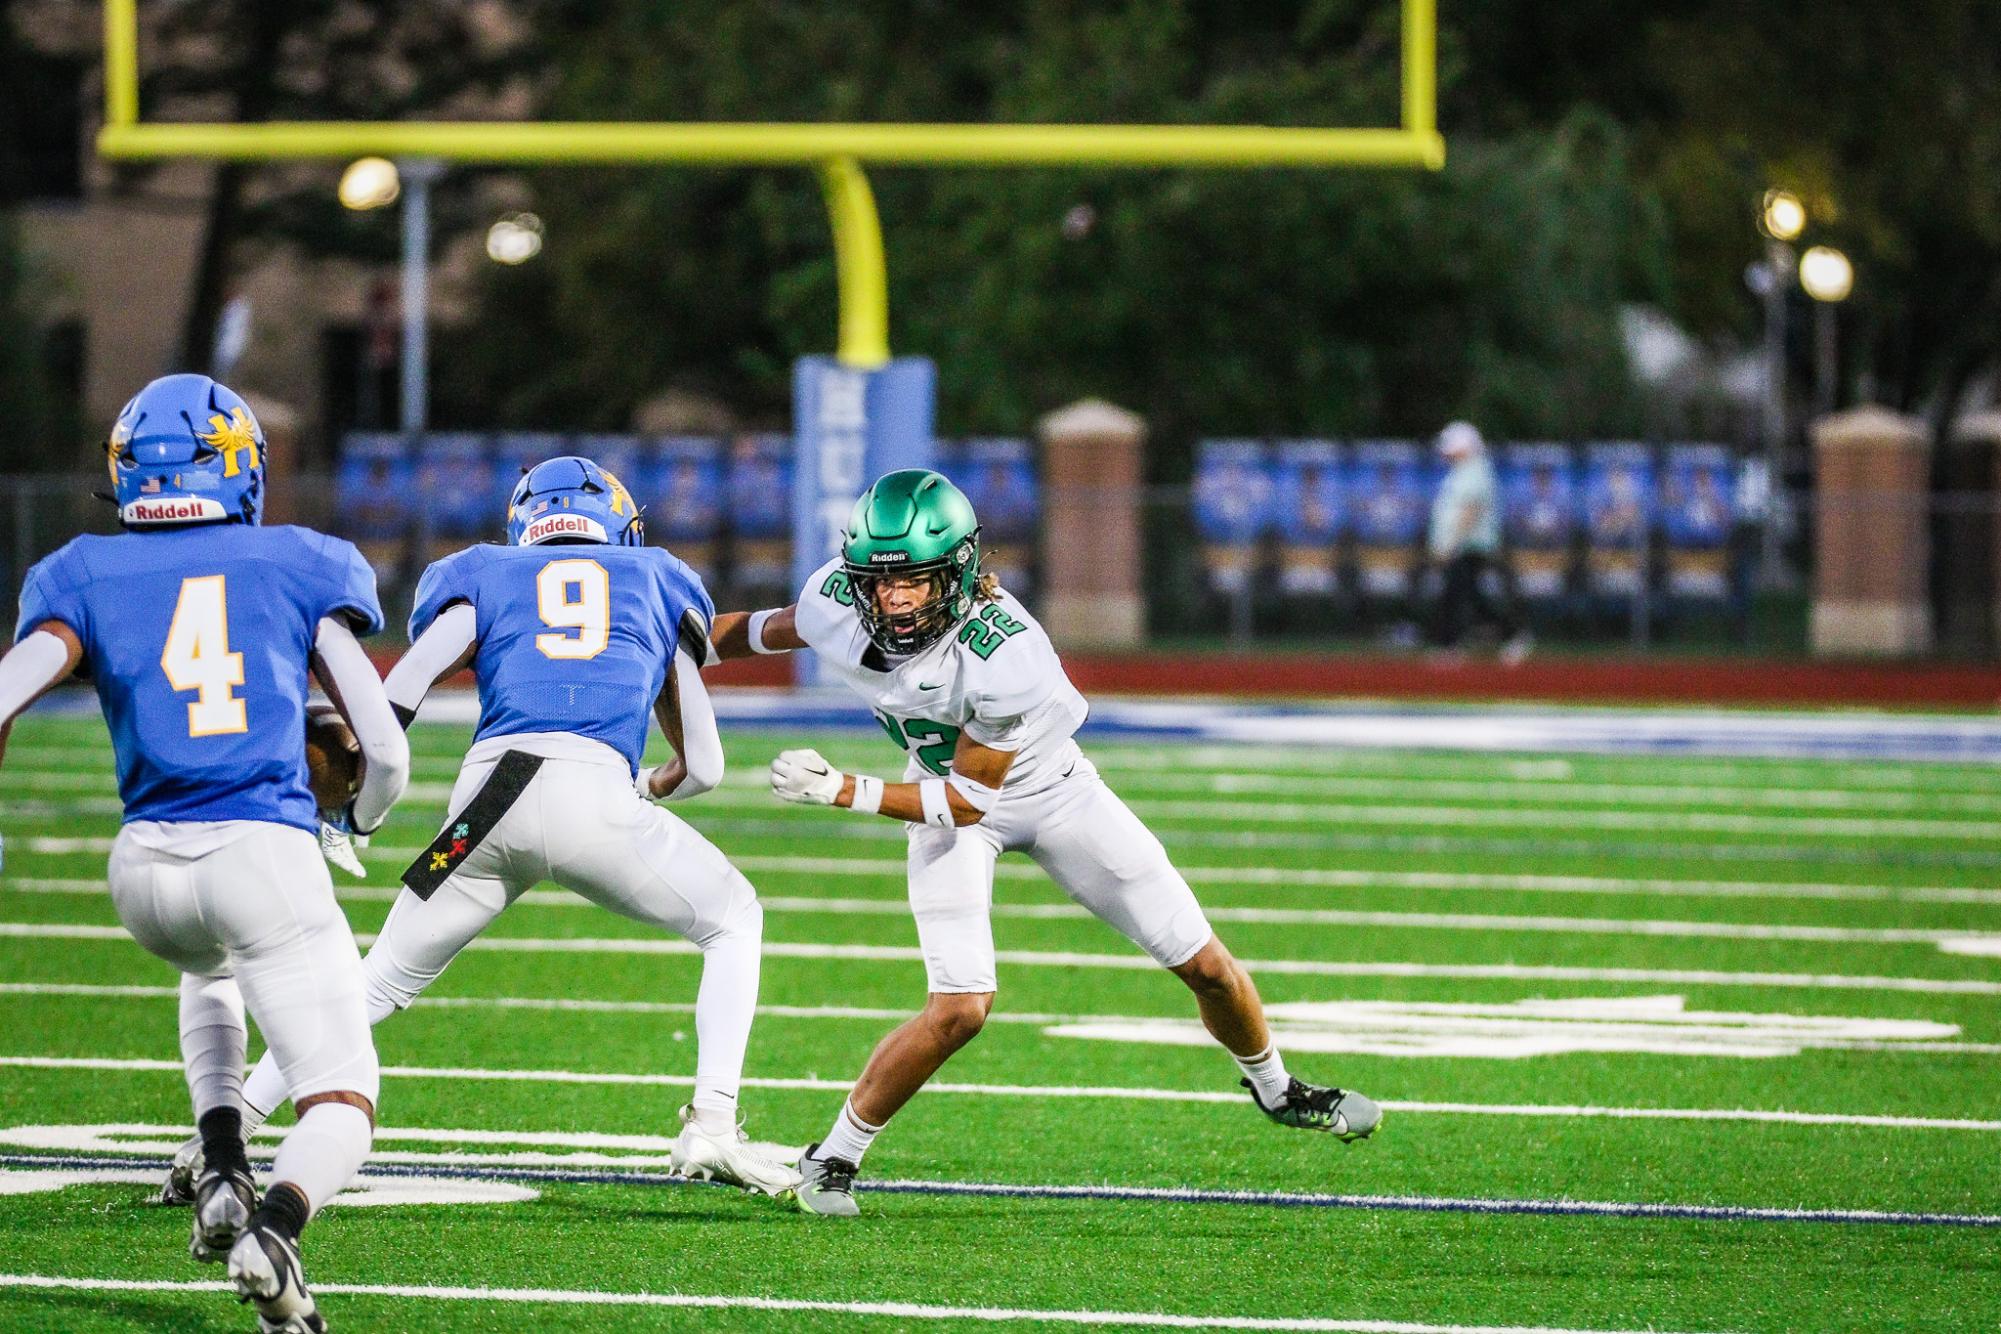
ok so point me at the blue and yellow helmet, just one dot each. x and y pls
(572, 499)
(186, 450)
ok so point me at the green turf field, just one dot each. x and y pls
(1733, 937)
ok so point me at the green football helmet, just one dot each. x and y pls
(913, 523)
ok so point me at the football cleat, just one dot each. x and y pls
(826, 1186)
(1346, 1115)
(703, 1155)
(179, 1187)
(223, 1198)
(264, 1266)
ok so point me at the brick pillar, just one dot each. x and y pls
(1091, 478)
(1976, 438)
(1871, 543)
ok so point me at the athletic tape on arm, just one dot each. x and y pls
(937, 806)
(974, 793)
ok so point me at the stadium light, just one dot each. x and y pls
(1782, 216)
(515, 239)
(1826, 274)
(370, 182)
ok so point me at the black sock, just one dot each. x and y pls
(222, 1138)
(284, 1210)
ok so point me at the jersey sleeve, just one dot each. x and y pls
(826, 606)
(352, 594)
(53, 591)
(697, 615)
(1011, 690)
(443, 583)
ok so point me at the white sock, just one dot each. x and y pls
(850, 1136)
(725, 1005)
(212, 1041)
(263, 1093)
(324, 1150)
(1266, 1071)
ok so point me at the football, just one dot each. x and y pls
(333, 758)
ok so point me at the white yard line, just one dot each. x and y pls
(887, 1310)
(1280, 877)
(1079, 959)
(1954, 940)
(1075, 1091)
(893, 1014)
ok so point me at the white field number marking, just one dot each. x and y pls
(197, 658)
(1656, 1025)
(588, 612)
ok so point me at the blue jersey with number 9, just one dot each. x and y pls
(199, 640)
(572, 638)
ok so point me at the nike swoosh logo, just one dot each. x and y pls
(922, 686)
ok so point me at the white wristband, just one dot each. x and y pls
(868, 794)
(756, 629)
(642, 782)
(937, 807)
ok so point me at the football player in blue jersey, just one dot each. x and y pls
(576, 632)
(198, 627)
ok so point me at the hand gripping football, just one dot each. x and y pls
(333, 758)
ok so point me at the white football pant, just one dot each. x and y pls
(1089, 842)
(579, 823)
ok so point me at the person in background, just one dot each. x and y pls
(1465, 542)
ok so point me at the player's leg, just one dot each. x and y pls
(1093, 846)
(154, 894)
(951, 895)
(269, 897)
(644, 862)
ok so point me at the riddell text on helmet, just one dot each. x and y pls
(562, 525)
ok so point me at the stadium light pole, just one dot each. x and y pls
(1828, 278)
(1781, 218)
(419, 175)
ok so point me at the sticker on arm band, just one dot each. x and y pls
(868, 794)
(937, 807)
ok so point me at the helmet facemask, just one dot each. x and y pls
(908, 631)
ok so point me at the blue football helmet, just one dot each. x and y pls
(572, 499)
(186, 450)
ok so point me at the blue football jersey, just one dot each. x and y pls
(199, 641)
(574, 638)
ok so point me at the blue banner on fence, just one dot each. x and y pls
(1308, 502)
(1696, 520)
(1539, 506)
(1387, 502)
(849, 426)
(1233, 495)
(1619, 516)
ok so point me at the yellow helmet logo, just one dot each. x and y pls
(231, 436)
(620, 500)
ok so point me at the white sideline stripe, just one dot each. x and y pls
(1260, 876)
(477, 1074)
(1948, 986)
(881, 1014)
(890, 1310)
(1954, 940)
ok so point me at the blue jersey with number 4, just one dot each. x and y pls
(574, 638)
(199, 640)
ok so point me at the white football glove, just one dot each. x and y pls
(805, 777)
(338, 846)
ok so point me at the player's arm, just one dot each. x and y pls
(688, 718)
(349, 678)
(744, 634)
(42, 659)
(962, 797)
(446, 646)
